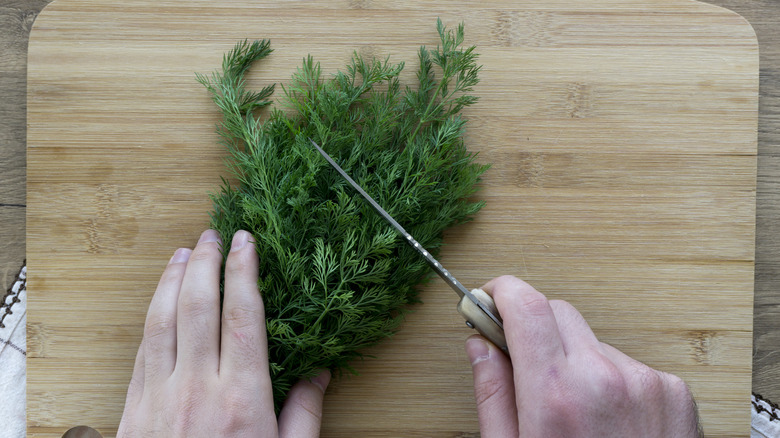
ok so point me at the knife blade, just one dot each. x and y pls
(476, 305)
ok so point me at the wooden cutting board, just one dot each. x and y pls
(623, 140)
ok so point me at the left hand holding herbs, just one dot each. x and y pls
(204, 372)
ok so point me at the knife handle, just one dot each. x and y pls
(479, 320)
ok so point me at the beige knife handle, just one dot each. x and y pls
(477, 319)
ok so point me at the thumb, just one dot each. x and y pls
(494, 388)
(301, 414)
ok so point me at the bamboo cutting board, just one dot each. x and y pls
(623, 140)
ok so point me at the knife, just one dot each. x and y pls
(476, 306)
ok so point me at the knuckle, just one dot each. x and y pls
(649, 381)
(238, 411)
(512, 291)
(563, 306)
(507, 284)
(489, 392)
(172, 273)
(535, 303)
(235, 401)
(507, 280)
(195, 305)
(237, 265)
(609, 382)
(159, 325)
(676, 387)
(136, 386)
(680, 398)
(239, 318)
(305, 400)
(206, 252)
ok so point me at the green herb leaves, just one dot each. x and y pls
(334, 277)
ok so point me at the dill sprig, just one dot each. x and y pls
(335, 278)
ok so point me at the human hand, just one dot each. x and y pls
(563, 382)
(199, 374)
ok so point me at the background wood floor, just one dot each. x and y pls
(17, 17)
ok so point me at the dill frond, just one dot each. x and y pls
(335, 278)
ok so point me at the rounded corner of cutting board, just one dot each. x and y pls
(48, 12)
(44, 12)
(748, 27)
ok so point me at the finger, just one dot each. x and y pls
(620, 359)
(301, 415)
(643, 382)
(532, 335)
(159, 343)
(244, 348)
(494, 388)
(650, 387)
(575, 333)
(136, 387)
(198, 310)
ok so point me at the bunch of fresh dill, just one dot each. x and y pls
(335, 278)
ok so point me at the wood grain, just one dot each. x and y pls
(766, 339)
(623, 182)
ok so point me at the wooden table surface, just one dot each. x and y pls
(16, 18)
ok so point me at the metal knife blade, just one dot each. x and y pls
(434, 264)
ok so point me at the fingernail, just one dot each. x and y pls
(240, 239)
(209, 236)
(180, 256)
(321, 380)
(477, 349)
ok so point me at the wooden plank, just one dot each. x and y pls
(766, 323)
(624, 140)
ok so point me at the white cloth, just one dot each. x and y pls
(766, 418)
(13, 355)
